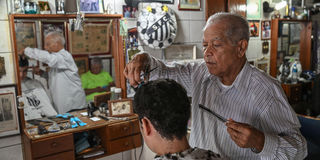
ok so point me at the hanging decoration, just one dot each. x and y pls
(157, 25)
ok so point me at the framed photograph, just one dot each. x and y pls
(9, 123)
(265, 30)
(25, 35)
(44, 7)
(120, 108)
(82, 63)
(94, 39)
(2, 67)
(254, 9)
(47, 27)
(89, 6)
(129, 12)
(262, 65)
(254, 28)
(194, 5)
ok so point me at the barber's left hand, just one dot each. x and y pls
(244, 135)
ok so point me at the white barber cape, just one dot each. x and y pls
(36, 101)
(64, 81)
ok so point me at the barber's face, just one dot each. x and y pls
(219, 53)
(96, 68)
(50, 45)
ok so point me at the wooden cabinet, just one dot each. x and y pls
(214, 6)
(233, 6)
(121, 136)
(51, 147)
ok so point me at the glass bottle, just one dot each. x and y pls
(294, 79)
(112, 93)
(117, 93)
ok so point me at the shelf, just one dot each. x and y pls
(30, 16)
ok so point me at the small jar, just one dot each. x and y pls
(112, 93)
(117, 93)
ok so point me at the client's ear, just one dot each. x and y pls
(147, 127)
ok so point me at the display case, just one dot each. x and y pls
(290, 41)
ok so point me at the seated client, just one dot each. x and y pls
(96, 81)
(164, 110)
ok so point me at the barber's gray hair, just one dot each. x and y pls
(56, 37)
(237, 28)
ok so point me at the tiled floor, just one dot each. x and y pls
(10, 148)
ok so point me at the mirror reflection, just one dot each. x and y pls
(288, 51)
(53, 80)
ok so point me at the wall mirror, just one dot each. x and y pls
(290, 40)
(99, 39)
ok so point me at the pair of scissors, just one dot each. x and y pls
(145, 76)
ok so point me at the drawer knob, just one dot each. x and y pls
(125, 128)
(54, 144)
(126, 144)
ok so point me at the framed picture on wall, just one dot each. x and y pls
(93, 40)
(82, 63)
(262, 64)
(194, 5)
(265, 30)
(90, 6)
(9, 123)
(47, 27)
(161, 1)
(25, 35)
(254, 28)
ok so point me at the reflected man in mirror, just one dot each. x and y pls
(261, 123)
(164, 110)
(96, 81)
(64, 81)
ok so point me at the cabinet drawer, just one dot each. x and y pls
(124, 144)
(123, 129)
(60, 156)
(52, 145)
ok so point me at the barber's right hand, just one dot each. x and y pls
(36, 70)
(134, 67)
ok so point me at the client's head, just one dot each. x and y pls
(164, 110)
(23, 67)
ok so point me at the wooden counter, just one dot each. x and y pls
(116, 136)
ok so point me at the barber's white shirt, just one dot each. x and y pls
(64, 81)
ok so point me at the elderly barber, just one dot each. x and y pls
(64, 81)
(261, 124)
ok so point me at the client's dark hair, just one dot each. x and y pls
(23, 61)
(165, 103)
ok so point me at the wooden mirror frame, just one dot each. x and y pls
(116, 46)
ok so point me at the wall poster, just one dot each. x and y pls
(94, 39)
(25, 35)
(9, 123)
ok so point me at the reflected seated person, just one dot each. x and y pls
(96, 81)
(164, 109)
(37, 103)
